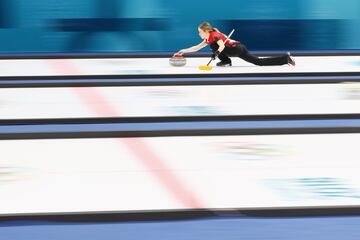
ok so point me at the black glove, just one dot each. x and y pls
(215, 55)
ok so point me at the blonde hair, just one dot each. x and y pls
(207, 27)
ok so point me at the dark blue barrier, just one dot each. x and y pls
(287, 34)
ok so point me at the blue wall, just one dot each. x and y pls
(159, 25)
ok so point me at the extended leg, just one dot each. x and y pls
(266, 61)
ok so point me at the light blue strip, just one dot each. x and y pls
(168, 126)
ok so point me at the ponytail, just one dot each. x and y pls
(207, 27)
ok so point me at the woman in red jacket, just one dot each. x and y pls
(224, 50)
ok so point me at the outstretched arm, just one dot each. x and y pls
(192, 49)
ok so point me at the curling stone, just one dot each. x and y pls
(177, 61)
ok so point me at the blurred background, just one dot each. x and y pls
(159, 25)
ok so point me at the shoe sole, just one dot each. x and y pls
(292, 61)
(226, 65)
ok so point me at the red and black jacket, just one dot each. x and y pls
(215, 36)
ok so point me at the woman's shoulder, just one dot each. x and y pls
(216, 34)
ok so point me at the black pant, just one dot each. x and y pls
(240, 51)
